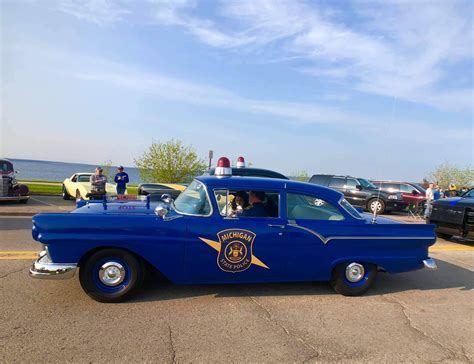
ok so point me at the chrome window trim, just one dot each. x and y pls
(208, 200)
(340, 204)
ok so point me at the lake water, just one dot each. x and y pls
(58, 171)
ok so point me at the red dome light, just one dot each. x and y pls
(223, 162)
(240, 162)
(223, 168)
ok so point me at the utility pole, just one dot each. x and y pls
(211, 154)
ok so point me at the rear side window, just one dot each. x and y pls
(83, 178)
(406, 188)
(389, 187)
(351, 183)
(310, 208)
(337, 182)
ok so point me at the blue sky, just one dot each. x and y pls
(368, 88)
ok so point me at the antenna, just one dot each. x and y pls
(374, 218)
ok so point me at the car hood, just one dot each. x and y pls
(99, 207)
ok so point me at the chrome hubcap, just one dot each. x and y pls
(355, 272)
(112, 273)
(376, 206)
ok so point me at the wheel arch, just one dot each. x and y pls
(148, 266)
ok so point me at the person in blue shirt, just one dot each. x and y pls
(258, 208)
(121, 179)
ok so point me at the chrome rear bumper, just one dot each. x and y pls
(430, 263)
(44, 268)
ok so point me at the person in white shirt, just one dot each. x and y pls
(429, 200)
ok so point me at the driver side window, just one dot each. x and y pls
(311, 208)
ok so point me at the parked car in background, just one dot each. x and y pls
(412, 193)
(454, 216)
(362, 193)
(156, 190)
(10, 190)
(78, 186)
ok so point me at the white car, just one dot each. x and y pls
(78, 186)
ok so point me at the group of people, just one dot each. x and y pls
(435, 192)
(248, 204)
(99, 180)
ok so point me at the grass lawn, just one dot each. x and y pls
(43, 189)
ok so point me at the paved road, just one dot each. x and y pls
(417, 316)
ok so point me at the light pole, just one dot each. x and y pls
(211, 154)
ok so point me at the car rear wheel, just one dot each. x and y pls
(111, 275)
(353, 278)
(66, 195)
(376, 205)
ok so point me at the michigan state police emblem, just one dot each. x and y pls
(235, 254)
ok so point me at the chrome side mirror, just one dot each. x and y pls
(161, 211)
(166, 197)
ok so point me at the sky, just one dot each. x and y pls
(375, 89)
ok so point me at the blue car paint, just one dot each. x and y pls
(185, 248)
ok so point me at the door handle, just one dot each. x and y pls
(277, 226)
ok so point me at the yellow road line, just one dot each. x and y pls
(19, 255)
(451, 248)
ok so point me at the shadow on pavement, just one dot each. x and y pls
(447, 276)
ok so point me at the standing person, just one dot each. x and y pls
(121, 179)
(98, 182)
(429, 200)
(437, 193)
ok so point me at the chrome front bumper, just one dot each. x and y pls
(430, 263)
(44, 268)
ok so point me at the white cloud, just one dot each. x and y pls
(100, 12)
(395, 49)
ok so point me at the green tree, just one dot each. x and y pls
(447, 173)
(169, 162)
(106, 167)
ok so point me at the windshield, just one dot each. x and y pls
(419, 188)
(469, 194)
(193, 200)
(365, 183)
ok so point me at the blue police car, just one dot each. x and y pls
(225, 229)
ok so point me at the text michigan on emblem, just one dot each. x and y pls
(235, 254)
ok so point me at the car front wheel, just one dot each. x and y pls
(111, 275)
(376, 205)
(353, 278)
(66, 195)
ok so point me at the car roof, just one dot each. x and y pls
(89, 173)
(262, 183)
(236, 170)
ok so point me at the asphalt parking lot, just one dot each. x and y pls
(416, 316)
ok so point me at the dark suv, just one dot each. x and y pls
(360, 192)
